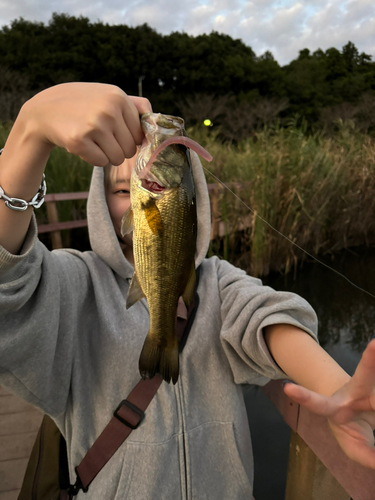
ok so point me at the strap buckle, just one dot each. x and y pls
(132, 407)
(74, 488)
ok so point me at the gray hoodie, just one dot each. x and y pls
(69, 346)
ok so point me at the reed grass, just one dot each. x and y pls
(317, 190)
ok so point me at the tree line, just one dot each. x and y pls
(213, 74)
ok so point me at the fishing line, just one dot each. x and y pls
(286, 237)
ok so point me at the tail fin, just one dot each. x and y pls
(162, 359)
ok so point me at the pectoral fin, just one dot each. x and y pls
(153, 217)
(127, 222)
(134, 293)
(188, 294)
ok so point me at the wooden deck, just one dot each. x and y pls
(54, 226)
(19, 424)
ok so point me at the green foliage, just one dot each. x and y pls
(323, 79)
(179, 65)
(302, 182)
(4, 132)
(316, 190)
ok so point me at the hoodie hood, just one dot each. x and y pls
(103, 238)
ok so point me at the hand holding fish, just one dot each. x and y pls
(350, 410)
(97, 122)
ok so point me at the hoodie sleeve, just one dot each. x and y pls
(246, 308)
(39, 303)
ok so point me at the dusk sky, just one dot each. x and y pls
(283, 27)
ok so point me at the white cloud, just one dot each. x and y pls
(228, 23)
(199, 19)
(286, 22)
(285, 30)
(163, 15)
(225, 4)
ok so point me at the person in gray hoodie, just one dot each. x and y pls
(69, 346)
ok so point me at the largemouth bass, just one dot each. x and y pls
(163, 219)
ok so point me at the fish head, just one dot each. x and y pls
(158, 127)
(168, 167)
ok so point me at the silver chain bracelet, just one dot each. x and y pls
(22, 205)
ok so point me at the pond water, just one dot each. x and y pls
(346, 324)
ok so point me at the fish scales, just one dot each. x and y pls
(161, 270)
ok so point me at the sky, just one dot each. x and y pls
(283, 27)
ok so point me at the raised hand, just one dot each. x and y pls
(97, 122)
(350, 410)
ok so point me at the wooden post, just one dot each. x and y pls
(53, 216)
(308, 478)
(214, 213)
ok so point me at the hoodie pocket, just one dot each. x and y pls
(113, 480)
(215, 466)
(150, 472)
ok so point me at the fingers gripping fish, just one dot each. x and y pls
(163, 219)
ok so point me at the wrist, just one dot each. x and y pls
(303, 360)
(30, 131)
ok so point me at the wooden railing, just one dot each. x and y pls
(54, 226)
(318, 469)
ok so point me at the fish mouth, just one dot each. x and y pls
(152, 186)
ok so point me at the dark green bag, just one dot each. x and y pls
(47, 473)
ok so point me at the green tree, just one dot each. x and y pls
(178, 66)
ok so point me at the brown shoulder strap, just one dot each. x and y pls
(127, 416)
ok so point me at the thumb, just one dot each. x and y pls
(317, 403)
(142, 104)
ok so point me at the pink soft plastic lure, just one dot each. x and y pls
(185, 141)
